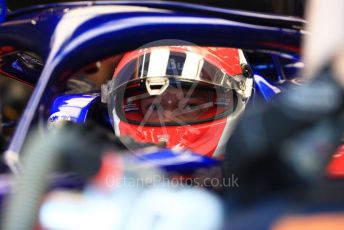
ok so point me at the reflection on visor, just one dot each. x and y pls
(163, 63)
(176, 106)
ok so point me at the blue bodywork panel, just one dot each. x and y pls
(3, 10)
(75, 106)
(182, 162)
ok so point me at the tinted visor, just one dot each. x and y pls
(181, 103)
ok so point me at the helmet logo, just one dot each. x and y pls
(57, 119)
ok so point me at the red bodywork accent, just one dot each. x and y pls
(6, 49)
(15, 78)
(335, 169)
(294, 49)
(110, 173)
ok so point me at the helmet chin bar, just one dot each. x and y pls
(157, 85)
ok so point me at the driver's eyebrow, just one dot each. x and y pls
(198, 107)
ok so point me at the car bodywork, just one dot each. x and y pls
(43, 45)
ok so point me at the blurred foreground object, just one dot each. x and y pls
(326, 52)
(311, 222)
(301, 129)
(121, 192)
(13, 98)
(324, 18)
(288, 143)
(280, 152)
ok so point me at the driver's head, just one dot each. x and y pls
(187, 97)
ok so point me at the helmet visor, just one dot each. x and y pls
(181, 103)
(169, 86)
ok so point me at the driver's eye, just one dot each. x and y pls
(191, 106)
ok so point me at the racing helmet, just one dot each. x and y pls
(186, 97)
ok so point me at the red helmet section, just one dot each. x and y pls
(199, 138)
